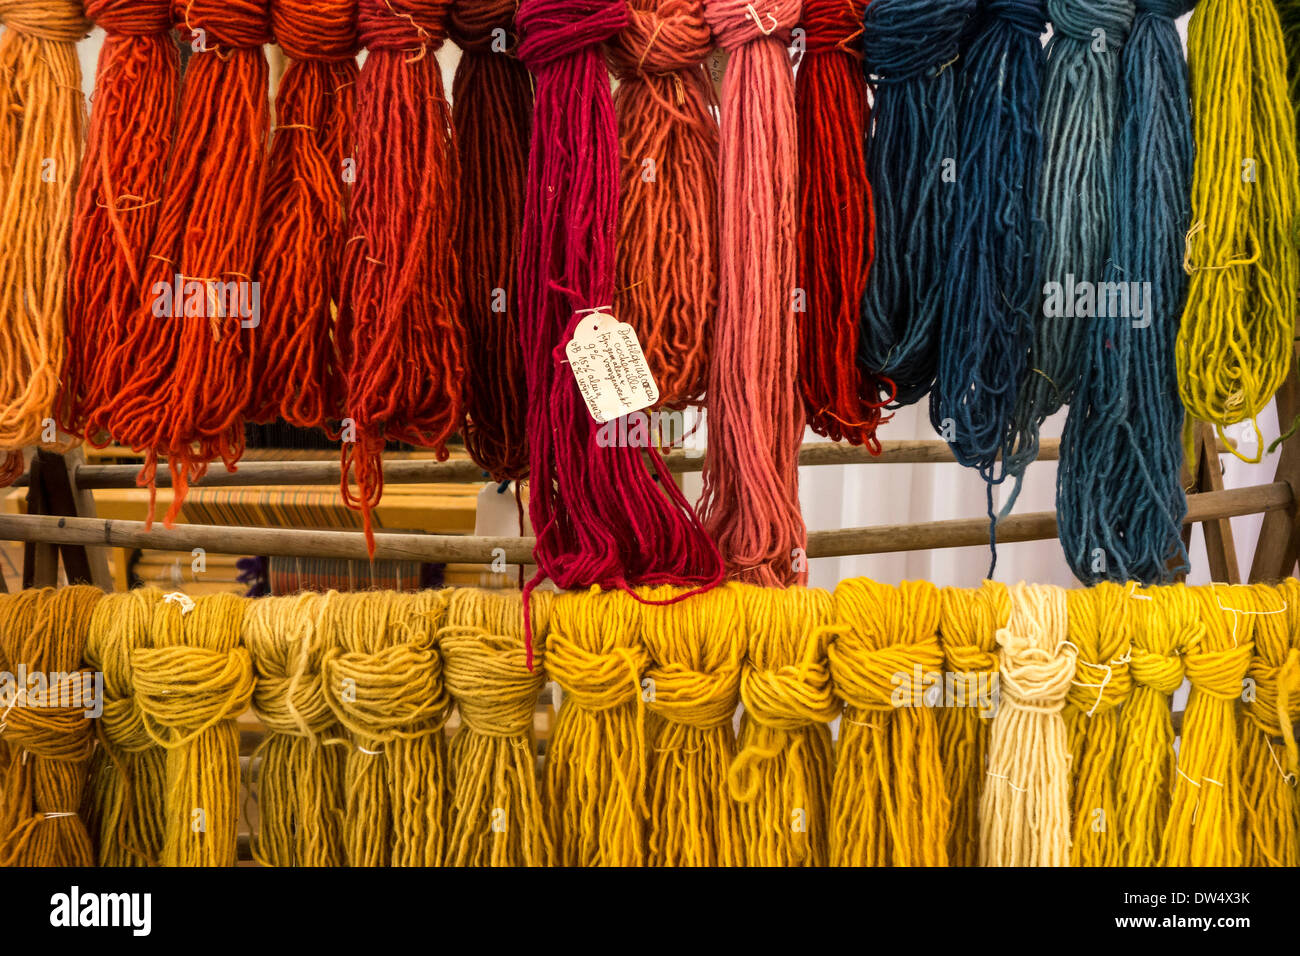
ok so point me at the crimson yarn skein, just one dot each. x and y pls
(756, 416)
(601, 516)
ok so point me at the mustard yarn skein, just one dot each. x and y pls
(781, 777)
(17, 620)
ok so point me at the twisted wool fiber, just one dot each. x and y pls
(491, 111)
(189, 376)
(1288, 12)
(400, 333)
(594, 790)
(889, 802)
(781, 777)
(1234, 346)
(1167, 626)
(667, 248)
(750, 502)
(496, 813)
(1118, 485)
(692, 687)
(51, 740)
(18, 611)
(192, 680)
(301, 232)
(40, 147)
(118, 202)
(601, 517)
(1268, 746)
(128, 777)
(911, 49)
(1100, 627)
(1025, 807)
(968, 624)
(1205, 815)
(1078, 123)
(836, 226)
(299, 785)
(382, 674)
(991, 289)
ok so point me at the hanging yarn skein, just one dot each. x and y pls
(301, 233)
(911, 50)
(40, 147)
(836, 226)
(667, 273)
(991, 287)
(119, 197)
(751, 475)
(600, 515)
(1238, 328)
(491, 111)
(400, 332)
(1119, 490)
(190, 342)
(1077, 118)
(1025, 807)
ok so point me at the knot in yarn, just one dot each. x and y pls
(1219, 673)
(867, 677)
(34, 725)
(593, 649)
(315, 29)
(888, 636)
(473, 24)
(737, 22)
(395, 692)
(415, 26)
(61, 21)
(286, 646)
(121, 622)
(1100, 626)
(696, 652)
(970, 659)
(1163, 673)
(1276, 706)
(552, 30)
(1031, 677)
(1027, 16)
(789, 697)
(1172, 9)
(913, 39)
(833, 24)
(209, 25)
(671, 36)
(183, 691)
(1081, 19)
(488, 676)
(131, 18)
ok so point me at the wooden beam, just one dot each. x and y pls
(1220, 548)
(881, 539)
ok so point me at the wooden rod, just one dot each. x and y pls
(424, 471)
(881, 539)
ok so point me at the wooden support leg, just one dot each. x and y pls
(1275, 552)
(52, 492)
(1219, 545)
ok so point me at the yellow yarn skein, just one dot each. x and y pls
(1205, 817)
(596, 768)
(1268, 745)
(889, 801)
(128, 780)
(383, 677)
(968, 626)
(1100, 622)
(781, 777)
(1235, 343)
(693, 686)
(190, 685)
(1025, 807)
(301, 758)
(496, 813)
(17, 620)
(1166, 626)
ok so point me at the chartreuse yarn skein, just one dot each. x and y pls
(781, 777)
(496, 812)
(889, 802)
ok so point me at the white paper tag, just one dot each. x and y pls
(610, 367)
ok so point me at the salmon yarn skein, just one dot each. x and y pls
(190, 374)
(40, 145)
(119, 200)
(302, 229)
(399, 327)
(492, 108)
(667, 272)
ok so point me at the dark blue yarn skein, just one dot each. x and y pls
(1119, 491)
(991, 285)
(910, 54)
